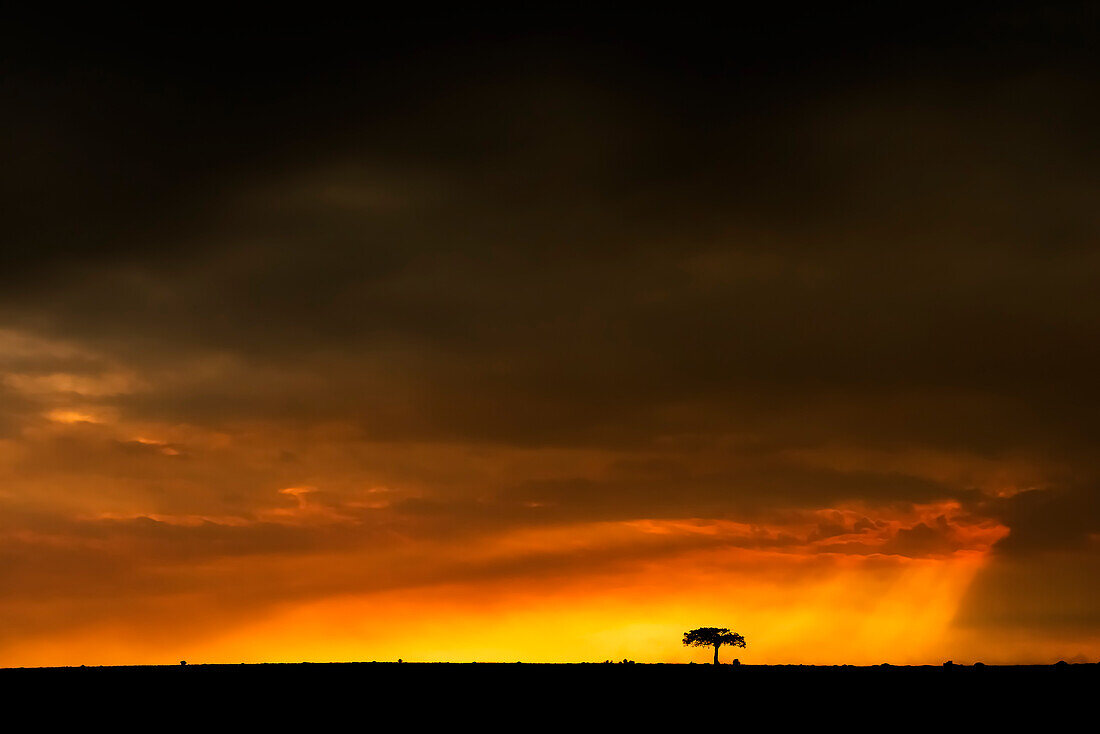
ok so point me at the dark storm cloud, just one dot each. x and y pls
(747, 491)
(1044, 572)
(809, 233)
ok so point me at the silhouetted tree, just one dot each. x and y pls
(717, 636)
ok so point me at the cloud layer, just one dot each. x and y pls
(289, 318)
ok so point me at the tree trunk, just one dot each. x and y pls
(716, 646)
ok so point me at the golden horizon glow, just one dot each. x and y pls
(805, 610)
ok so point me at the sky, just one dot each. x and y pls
(548, 336)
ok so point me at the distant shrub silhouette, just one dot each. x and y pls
(716, 636)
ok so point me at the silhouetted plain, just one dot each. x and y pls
(613, 696)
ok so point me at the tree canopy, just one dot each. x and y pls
(707, 636)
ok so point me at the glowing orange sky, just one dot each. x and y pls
(353, 554)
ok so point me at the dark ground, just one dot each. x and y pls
(513, 695)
